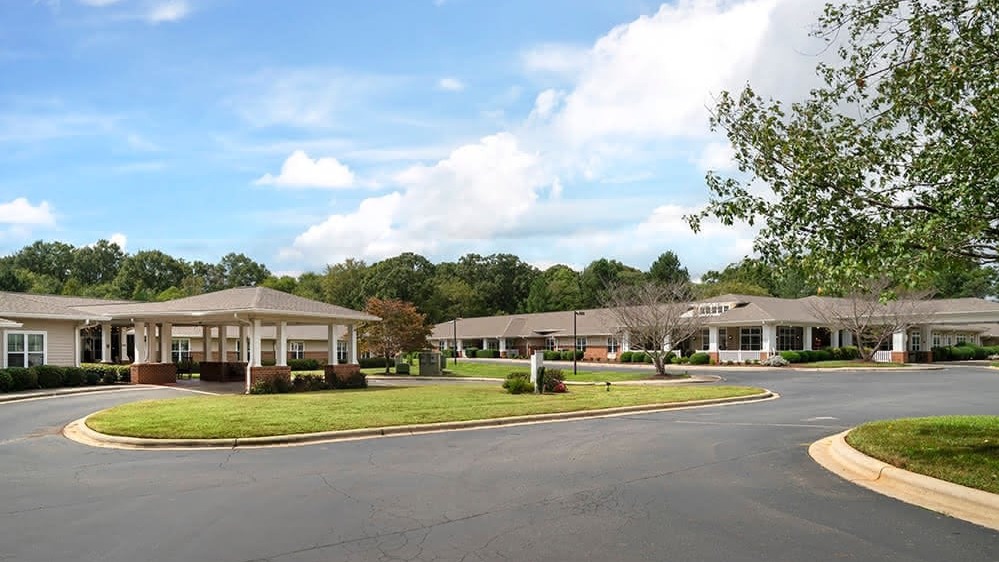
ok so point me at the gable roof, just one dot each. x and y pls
(240, 300)
(30, 305)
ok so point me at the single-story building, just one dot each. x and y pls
(229, 332)
(734, 328)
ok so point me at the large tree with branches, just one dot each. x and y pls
(652, 316)
(892, 162)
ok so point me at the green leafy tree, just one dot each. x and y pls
(344, 283)
(407, 277)
(603, 273)
(402, 328)
(238, 270)
(891, 163)
(54, 259)
(146, 274)
(667, 269)
(285, 284)
(97, 264)
(558, 288)
(310, 286)
(11, 281)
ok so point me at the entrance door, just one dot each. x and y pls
(914, 347)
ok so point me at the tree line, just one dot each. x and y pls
(474, 285)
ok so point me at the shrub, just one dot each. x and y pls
(23, 379)
(487, 353)
(272, 385)
(700, 358)
(374, 362)
(74, 376)
(304, 365)
(962, 353)
(518, 382)
(676, 360)
(625, 357)
(849, 352)
(552, 355)
(553, 378)
(346, 381)
(309, 383)
(91, 378)
(48, 376)
(402, 369)
(981, 352)
(791, 356)
(6, 381)
(776, 361)
(638, 356)
(471, 352)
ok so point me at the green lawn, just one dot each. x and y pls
(284, 414)
(959, 449)
(848, 364)
(500, 371)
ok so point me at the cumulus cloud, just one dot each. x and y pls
(120, 239)
(555, 58)
(98, 3)
(21, 212)
(716, 157)
(546, 103)
(299, 170)
(165, 12)
(451, 84)
(494, 177)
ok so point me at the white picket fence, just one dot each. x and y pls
(882, 356)
(738, 355)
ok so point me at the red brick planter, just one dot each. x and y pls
(153, 373)
(269, 373)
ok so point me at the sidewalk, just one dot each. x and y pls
(54, 392)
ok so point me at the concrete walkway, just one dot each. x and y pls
(57, 392)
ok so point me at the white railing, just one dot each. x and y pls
(738, 355)
(882, 356)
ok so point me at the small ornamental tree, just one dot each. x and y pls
(402, 328)
(650, 314)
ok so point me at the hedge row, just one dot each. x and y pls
(17, 379)
(640, 357)
(309, 383)
(565, 355)
(964, 352)
(845, 353)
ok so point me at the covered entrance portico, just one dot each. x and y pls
(245, 311)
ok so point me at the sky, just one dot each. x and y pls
(305, 132)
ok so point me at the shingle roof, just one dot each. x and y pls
(30, 305)
(251, 300)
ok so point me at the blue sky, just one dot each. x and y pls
(305, 132)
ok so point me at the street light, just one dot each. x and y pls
(454, 327)
(575, 340)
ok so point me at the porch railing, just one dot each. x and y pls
(738, 355)
(882, 356)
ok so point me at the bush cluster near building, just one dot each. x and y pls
(309, 383)
(964, 352)
(845, 353)
(16, 379)
(519, 382)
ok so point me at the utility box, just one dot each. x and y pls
(430, 363)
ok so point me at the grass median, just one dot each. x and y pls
(959, 449)
(846, 364)
(285, 414)
(500, 371)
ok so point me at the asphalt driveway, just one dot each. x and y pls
(726, 484)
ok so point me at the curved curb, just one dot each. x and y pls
(59, 393)
(837, 456)
(81, 433)
(865, 369)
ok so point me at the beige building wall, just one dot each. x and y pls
(60, 339)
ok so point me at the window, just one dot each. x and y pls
(961, 338)
(936, 339)
(26, 349)
(751, 339)
(705, 339)
(612, 345)
(581, 343)
(180, 350)
(789, 338)
(713, 309)
(915, 340)
(722, 339)
(442, 345)
(341, 351)
(296, 350)
(551, 344)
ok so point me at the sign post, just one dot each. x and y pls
(538, 371)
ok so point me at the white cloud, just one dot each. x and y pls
(716, 157)
(98, 3)
(555, 58)
(299, 170)
(478, 191)
(120, 239)
(546, 103)
(21, 212)
(174, 10)
(451, 84)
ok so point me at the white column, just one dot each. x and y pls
(331, 339)
(140, 343)
(152, 348)
(254, 349)
(625, 343)
(667, 344)
(806, 342)
(242, 344)
(282, 345)
(123, 342)
(461, 348)
(206, 343)
(502, 345)
(925, 338)
(485, 343)
(352, 332)
(847, 338)
(223, 343)
(166, 342)
(898, 341)
(105, 343)
(76, 346)
(769, 342)
(833, 337)
(713, 338)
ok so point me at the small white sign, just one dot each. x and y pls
(537, 363)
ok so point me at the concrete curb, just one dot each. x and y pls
(866, 369)
(55, 393)
(954, 500)
(80, 432)
(691, 379)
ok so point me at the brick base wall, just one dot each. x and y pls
(898, 357)
(154, 373)
(269, 373)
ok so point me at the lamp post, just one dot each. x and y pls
(454, 327)
(575, 340)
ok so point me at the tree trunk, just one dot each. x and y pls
(387, 359)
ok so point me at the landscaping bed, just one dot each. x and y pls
(206, 417)
(959, 449)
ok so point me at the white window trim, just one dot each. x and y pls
(26, 333)
(341, 351)
(180, 351)
(291, 349)
(612, 344)
(584, 342)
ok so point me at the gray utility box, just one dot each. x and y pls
(430, 363)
